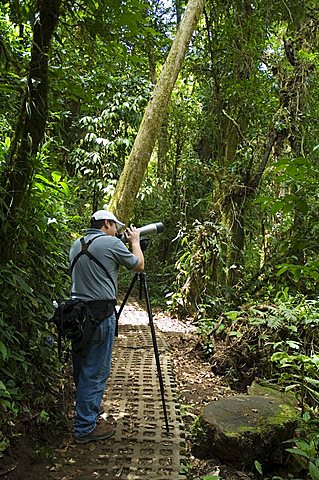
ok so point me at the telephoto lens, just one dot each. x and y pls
(150, 229)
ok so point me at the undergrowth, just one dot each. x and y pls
(274, 341)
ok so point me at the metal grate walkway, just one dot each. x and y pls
(141, 448)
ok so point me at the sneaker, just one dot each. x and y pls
(102, 431)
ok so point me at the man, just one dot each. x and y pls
(97, 284)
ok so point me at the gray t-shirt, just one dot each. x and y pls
(89, 280)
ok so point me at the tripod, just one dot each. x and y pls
(143, 289)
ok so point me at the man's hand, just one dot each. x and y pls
(133, 238)
(132, 234)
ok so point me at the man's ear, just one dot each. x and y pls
(106, 224)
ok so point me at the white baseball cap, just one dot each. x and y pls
(106, 215)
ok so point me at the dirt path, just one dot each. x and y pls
(141, 447)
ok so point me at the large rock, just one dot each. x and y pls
(285, 397)
(245, 428)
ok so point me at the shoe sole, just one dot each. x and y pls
(83, 440)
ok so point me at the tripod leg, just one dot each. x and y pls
(127, 295)
(158, 365)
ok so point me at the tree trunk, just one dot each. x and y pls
(122, 203)
(162, 149)
(31, 122)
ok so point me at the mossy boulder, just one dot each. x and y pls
(265, 389)
(244, 428)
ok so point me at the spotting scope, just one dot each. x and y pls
(150, 229)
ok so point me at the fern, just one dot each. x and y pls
(287, 313)
(275, 322)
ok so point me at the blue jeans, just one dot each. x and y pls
(91, 369)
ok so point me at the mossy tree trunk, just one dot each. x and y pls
(122, 203)
(30, 128)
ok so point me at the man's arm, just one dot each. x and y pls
(133, 238)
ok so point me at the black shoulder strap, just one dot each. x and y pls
(84, 248)
(84, 251)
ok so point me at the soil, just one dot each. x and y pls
(40, 447)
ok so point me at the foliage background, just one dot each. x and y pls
(234, 178)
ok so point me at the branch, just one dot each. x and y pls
(272, 138)
(236, 125)
(9, 470)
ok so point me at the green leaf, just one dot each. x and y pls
(5, 87)
(4, 444)
(232, 315)
(2, 386)
(65, 188)
(39, 186)
(234, 333)
(306, 417)
(297, 451)
(44, 180)
(278, 356)
(314, 392)
(312, 381)
(291, 387)
(313, 471)
(4, 393)
(3, 351)
(56, 176)
(22, 283)
(277, 206)
(258, 467)
(294, 345)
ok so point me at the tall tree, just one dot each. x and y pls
(131, 178)
(29, 131)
